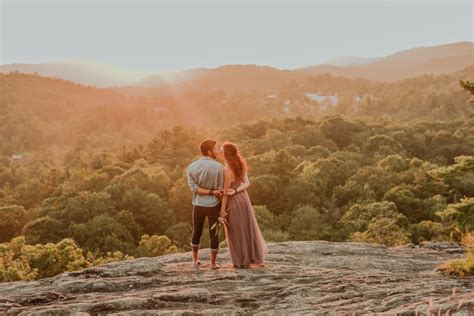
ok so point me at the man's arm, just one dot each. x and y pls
(193, 186)
(202, 191)
(196, 189)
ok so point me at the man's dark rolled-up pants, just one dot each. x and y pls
(199, 216)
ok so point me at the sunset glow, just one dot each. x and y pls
(236, 157)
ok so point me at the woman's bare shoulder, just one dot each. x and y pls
(228, 171)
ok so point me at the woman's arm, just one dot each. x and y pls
(243, 186)
(227, 180)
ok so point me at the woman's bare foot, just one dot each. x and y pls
(243, 266)
(256, 264)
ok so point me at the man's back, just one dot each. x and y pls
(205, 173)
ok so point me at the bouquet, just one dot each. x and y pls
(221, 221)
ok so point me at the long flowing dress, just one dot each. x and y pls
(244, 238)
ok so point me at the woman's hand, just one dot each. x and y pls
(230, 192)
(224, 214)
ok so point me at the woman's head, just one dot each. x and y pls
(236, 162)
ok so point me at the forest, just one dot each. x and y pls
(89, 176)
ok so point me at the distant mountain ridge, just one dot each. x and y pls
(86, 73)
(435, 60)
(346, 61)
(439, 59)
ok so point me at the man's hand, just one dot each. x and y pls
(218, 193)
(224, 214)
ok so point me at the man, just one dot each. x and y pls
(206, 181)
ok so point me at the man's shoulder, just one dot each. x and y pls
(203, 163)
(193, 165)
(195, 162)
(216, 163)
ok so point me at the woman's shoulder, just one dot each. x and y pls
(227, 169)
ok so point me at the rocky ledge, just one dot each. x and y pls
(314, 277)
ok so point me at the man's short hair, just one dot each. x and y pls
(206, 146)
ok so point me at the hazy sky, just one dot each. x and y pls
(159, 35)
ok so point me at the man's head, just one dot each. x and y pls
(208, 148)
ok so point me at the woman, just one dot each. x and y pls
(244, 239)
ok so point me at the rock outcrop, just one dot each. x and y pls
(314, 277)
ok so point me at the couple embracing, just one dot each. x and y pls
(220, 194)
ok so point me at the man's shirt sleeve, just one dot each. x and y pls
(191, 182)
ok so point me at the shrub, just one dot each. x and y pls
(461, 267)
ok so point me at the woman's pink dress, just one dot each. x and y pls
(244, 238)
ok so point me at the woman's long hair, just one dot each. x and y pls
(236, 162)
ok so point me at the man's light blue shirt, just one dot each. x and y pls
(205, 173)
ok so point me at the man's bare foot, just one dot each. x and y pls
(196, 264)
(215, 266)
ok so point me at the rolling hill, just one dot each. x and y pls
(435, 60)
(442, 59)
